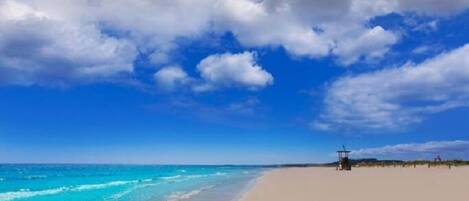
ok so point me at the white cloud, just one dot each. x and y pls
(433, 7)
(217, 71)
(433, 148)
(307, 28)
(168, 78)
(398, 97)
(320, 28)
(372, 44)
(36, 48)
(155, 25)
(427, 27)
(50, 42)
(158, 58)
(228, 70)
(54, 41)
(271, 23)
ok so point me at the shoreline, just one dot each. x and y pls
(230, 190)
(364, 183)
(248, 186)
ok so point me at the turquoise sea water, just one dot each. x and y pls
(123, 182)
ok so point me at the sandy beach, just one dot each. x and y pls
(362, 184)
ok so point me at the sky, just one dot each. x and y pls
(232, 81)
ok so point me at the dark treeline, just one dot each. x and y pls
(373, 162)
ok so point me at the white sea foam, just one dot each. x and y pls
(179, 196)
(180, 178)
(171, 177)
(196, 176)
(219, 174)
(119, 195)
(26, 193)
(101, 186)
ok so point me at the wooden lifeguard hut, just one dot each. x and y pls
(344, 162)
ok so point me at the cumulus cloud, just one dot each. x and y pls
(169, 78)
(38, 48)
(217, 71)
(372, 44)
(231, 70)
(433, 7)
(271, 23)
(53, 41)
(50, 42)
(433, 148)
(394, 98)
(308, 28)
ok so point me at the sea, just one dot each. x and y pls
(125, 182)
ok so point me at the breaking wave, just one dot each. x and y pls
(179, 196)
(101, 186)
(26, 193)
(185, 177)
(126, 192)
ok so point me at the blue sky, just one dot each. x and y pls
(238, 82)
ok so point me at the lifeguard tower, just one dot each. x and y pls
(344, 162)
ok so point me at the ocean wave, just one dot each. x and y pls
(146, 180)
(197, 176)
(178, 196)
(186, 177)
(171, 177)
(219, 174)
(121, 194)
(101, 186)
(206, 175)
(26, 193)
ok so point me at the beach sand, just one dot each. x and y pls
(362, 184)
